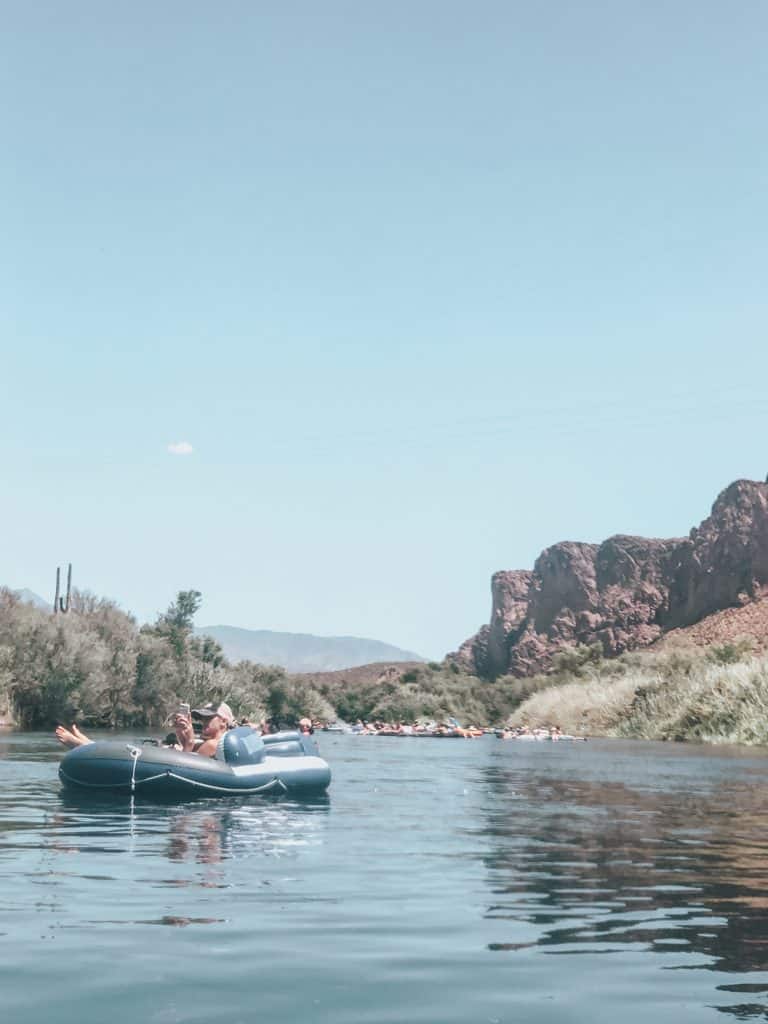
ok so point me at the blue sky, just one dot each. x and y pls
(426, 287)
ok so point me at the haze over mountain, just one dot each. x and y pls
(302, 652)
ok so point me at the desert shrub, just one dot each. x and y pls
(96, 665)
(732, 652)
(716, 703)
(574, 661)
(289, 699)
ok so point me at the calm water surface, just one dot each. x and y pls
(440, 881)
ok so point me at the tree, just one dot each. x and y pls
(177, 622)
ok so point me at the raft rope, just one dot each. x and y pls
(225, 789)
(135, 753)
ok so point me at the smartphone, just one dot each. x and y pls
(184, 710)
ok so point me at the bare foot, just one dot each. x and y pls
(71, 738)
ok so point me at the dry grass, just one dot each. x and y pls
(685, 694)
(588, 707)
(714, 704)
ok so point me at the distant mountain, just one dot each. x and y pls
(32, 598)
(302, 652)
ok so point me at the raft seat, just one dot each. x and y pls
(290, 743)
(241, 746)
(244, 745)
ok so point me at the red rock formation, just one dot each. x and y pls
(724, 563)
(510, 592)
(626, 592)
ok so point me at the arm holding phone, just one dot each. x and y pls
(185, 733)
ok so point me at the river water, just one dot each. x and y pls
(440, 881)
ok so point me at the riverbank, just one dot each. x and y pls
(95, 665)
(718, 695)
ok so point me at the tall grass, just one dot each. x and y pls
(716, 703)
(587, 707)
(714, 696)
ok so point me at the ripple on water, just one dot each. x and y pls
(436, 884)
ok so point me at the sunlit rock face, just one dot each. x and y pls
(626, 592)
(724, 562)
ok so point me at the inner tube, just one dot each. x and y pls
(245, 763)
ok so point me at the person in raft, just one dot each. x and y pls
(216, 719)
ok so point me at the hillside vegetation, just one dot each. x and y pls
(717, 694)
(97, 665)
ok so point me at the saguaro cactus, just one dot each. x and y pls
(59, 604)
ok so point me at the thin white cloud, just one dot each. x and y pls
(180, 448)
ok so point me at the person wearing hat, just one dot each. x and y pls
(216, 718)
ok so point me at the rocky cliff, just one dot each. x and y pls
(626, 592)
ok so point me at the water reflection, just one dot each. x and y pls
(597, 866)
(196, 837)
(452, 875)
(201, 832)
(53, 839)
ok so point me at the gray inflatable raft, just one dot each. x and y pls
(245, 763)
